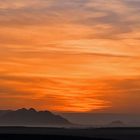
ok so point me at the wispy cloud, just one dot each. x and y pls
(70, 94)
(71, 41)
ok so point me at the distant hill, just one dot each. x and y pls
(103, 119)
(23, 117)
(117, 123)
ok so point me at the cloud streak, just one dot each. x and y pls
(50, 51)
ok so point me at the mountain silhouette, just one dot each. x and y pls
(22, 117)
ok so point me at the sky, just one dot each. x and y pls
(70, 56)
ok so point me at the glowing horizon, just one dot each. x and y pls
(70, 56)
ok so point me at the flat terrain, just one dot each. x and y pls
(37, 133)
(43, 137)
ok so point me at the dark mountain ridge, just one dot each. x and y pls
(22, 117)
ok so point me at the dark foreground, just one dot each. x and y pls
(43, 137)
(39, 133)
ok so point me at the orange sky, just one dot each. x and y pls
(70, 56)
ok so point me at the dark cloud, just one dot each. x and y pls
(76, 12)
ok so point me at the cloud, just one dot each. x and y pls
(19, 4)
(124, 94)
(68, 43)
(95, 19)
(70, 94)
(56, 94)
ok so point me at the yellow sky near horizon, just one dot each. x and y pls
(70, 56)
